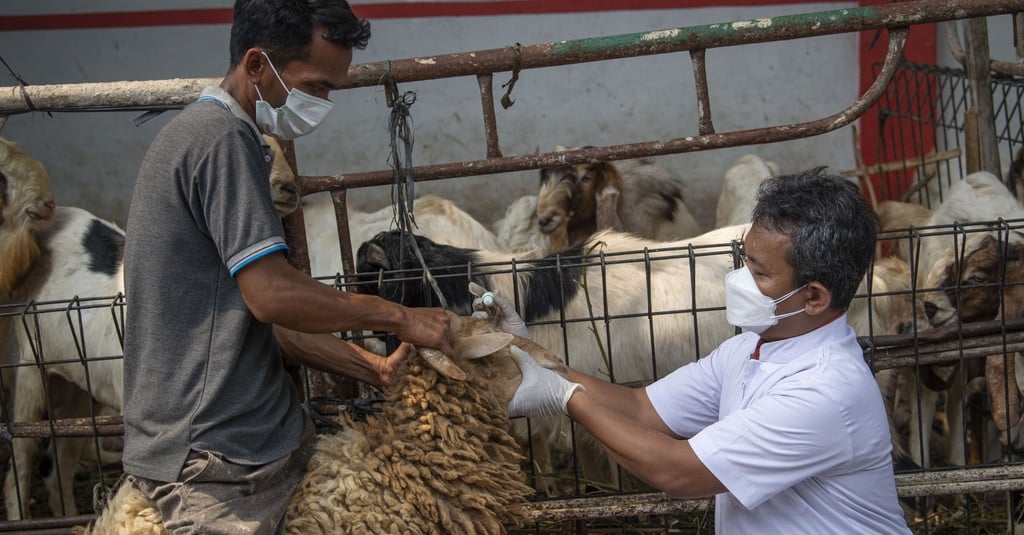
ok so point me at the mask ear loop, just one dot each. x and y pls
(274, 69)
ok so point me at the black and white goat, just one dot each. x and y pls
(626, 311)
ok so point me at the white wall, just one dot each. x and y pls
(93, 157)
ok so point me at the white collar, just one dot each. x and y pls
(218, 93)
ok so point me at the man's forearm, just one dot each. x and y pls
(328, 353)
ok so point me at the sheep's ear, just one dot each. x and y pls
(481, 345)
(444, 365)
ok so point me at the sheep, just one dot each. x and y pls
(634, 196)
(438, 459)
(580, 290)
(80, 255)
(436, 217)
(739, 186)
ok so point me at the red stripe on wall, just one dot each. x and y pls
(391, 10)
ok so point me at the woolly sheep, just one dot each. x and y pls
(438, 459)
(739, 189)
(634, 196)
(574, 294)
(436, 217)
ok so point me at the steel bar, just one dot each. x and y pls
(933, 483)
(156, 93)
(756, 136)
(486, 83)
(700, 78)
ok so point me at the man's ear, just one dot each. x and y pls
(253, 64)
(819, 298)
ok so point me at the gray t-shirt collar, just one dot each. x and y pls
(217, 92)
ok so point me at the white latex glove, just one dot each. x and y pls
(542, 392)
(494, 306)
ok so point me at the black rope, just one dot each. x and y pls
(403, 182)
(506, 99)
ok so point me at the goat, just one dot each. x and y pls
(434, 216)
(603, 311)
(980, 197)
(79, 257)
(438, 459)
(632, 196)
(739, 188)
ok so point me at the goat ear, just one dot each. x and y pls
(444, 365)
(481, 345)
(376, 256)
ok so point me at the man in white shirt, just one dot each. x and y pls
(784, 422)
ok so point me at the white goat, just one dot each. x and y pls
(980, 197)
(435, 217)
(633, 196)
(739, 189)
(683, 324)
(79, 257)
(79, 252)
(437, 460)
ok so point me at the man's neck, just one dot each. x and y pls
(237, 85)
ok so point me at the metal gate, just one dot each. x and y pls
(619, 508)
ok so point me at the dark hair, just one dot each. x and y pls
(831, 227)
(284, 28)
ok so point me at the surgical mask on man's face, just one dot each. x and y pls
(747, 308)
(300, 114)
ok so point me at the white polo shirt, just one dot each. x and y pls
(799, 437)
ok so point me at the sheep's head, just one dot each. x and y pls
(483, 357)
(980, 277)
(284, 185)
(26, 206)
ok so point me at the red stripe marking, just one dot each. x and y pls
(390, 10)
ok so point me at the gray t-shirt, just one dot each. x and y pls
(200, 371)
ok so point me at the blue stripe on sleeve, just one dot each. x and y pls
(257, 256)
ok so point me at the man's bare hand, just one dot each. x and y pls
(427, 327)
(386, 366)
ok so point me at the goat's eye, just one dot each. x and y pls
(976, 279)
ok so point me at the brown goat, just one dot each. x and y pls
(632, 196)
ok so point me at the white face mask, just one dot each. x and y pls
(300, 114)
(747, 308)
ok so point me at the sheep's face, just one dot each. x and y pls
(980, 278)
(283, 183)
(26, 200)
(483, 357)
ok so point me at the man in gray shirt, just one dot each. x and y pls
(213, 423)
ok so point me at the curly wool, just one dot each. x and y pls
(438, 460)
